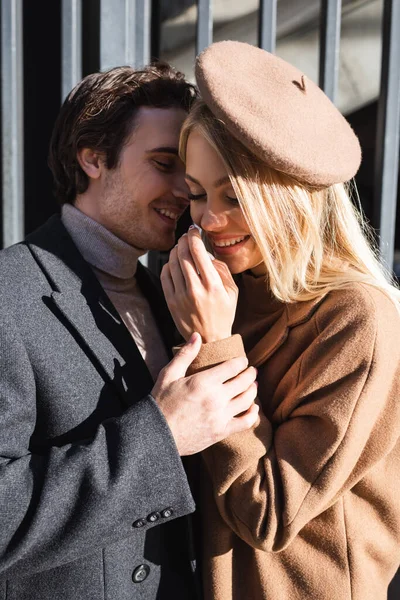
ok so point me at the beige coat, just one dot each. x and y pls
(307, 504)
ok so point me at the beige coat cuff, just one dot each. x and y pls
(215, 353)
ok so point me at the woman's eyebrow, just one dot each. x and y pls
(222, 181)
(217, 184)
(187, 176)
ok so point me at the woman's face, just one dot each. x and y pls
(214, 207)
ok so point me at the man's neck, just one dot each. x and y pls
(99, 247)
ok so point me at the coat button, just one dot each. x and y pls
(139, 523)
(140, 573)
(153, 517)
(167, 513)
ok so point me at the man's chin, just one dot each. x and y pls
(162, 244)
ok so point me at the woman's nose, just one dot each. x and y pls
(213, 220)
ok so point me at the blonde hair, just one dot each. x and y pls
(311, 240)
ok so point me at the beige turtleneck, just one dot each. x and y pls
(114, 263)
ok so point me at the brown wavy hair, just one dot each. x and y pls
(100, 112)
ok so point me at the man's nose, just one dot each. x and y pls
(180, 188)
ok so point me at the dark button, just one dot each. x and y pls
(139, 523)
(153, 517)
(140, 573)
(167, 512)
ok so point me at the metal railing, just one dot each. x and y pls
(125, 38)
(388, 131)
(12, 121)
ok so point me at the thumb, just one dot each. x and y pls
(183, 359)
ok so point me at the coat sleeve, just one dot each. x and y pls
(340, 418)
(68, 501)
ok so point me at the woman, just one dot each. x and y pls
(305, 504)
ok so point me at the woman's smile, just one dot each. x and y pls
(215, 208)
(223, 245)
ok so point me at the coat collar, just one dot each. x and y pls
(293, 315)
(87, 310)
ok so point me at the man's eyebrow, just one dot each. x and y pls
(164, 150)
(217, 184)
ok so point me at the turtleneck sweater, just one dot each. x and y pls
(257, 309)
(114, 262)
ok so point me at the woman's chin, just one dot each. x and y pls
(235, 266)
(240, 259)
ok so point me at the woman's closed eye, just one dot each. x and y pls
(197, 196)
(203, 196)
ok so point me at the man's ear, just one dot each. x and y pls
(91, 162)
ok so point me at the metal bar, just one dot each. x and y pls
(12, 121)
(388, 131)
(117, 33)
(204, 25)
(142, 53)
(143, 32)
(71, 45)
(267, 25)
(330, 22)
(155, 36)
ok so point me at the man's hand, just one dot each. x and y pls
(207, 407)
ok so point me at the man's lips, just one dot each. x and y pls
(169, 215)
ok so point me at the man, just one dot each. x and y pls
(93, 421)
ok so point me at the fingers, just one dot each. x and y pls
(241, 382)
(202, 260)
(183, 359)
(176, 272)
(244, 401)
(246, 421)
(228, 370)
(167, 283)
(186, 262)
(225, 275)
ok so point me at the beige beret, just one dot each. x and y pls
(278, 113)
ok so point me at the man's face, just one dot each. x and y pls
(141, 199)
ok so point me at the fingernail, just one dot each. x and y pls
(192, 227)
(193, 338)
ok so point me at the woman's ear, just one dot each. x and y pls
(90, 162)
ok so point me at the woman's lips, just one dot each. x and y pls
(227, 250)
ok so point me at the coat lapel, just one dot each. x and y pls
(87, 311)
(293, 315)
(80, 316)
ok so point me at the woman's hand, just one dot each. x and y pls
(200, 292)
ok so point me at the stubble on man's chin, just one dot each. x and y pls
(160, 246)
(147, 243)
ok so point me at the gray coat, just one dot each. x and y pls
(92, 490)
